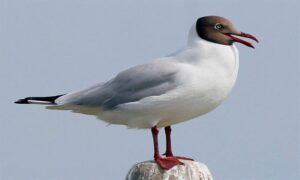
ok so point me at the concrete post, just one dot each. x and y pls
(149, 170)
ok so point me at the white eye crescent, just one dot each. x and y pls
(219, 26)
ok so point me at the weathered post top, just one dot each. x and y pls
(149, 170)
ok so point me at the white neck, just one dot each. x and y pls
(200, 51)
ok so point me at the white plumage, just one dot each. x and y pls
(195, 80)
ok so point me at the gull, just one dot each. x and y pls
(165, 91)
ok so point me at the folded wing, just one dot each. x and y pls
(134, 84)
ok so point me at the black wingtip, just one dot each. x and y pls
(38, 100)
(22, 101)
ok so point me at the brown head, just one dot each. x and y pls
(220, 30)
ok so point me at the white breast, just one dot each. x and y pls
(208, 79)
(207, 73)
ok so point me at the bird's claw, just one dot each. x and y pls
(167, 162)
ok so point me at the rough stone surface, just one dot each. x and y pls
(149, 170)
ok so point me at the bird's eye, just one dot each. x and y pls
(219, 26)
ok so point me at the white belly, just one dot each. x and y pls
(205, 80)
(199, 95)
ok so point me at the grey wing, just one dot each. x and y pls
(152, 79)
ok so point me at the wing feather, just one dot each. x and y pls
(134, 84)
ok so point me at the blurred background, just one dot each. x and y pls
(49, 47)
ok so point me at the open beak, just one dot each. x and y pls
(242, 34)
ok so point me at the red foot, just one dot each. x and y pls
(177, 157)
(184, 158)
(167, 162)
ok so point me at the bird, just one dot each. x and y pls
(166, 91)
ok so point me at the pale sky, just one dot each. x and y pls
(49, 47)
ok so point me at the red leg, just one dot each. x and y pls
(164, 163)
(168, 141)
(155, 132)
(169, 152)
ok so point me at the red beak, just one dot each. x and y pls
(242, 34)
